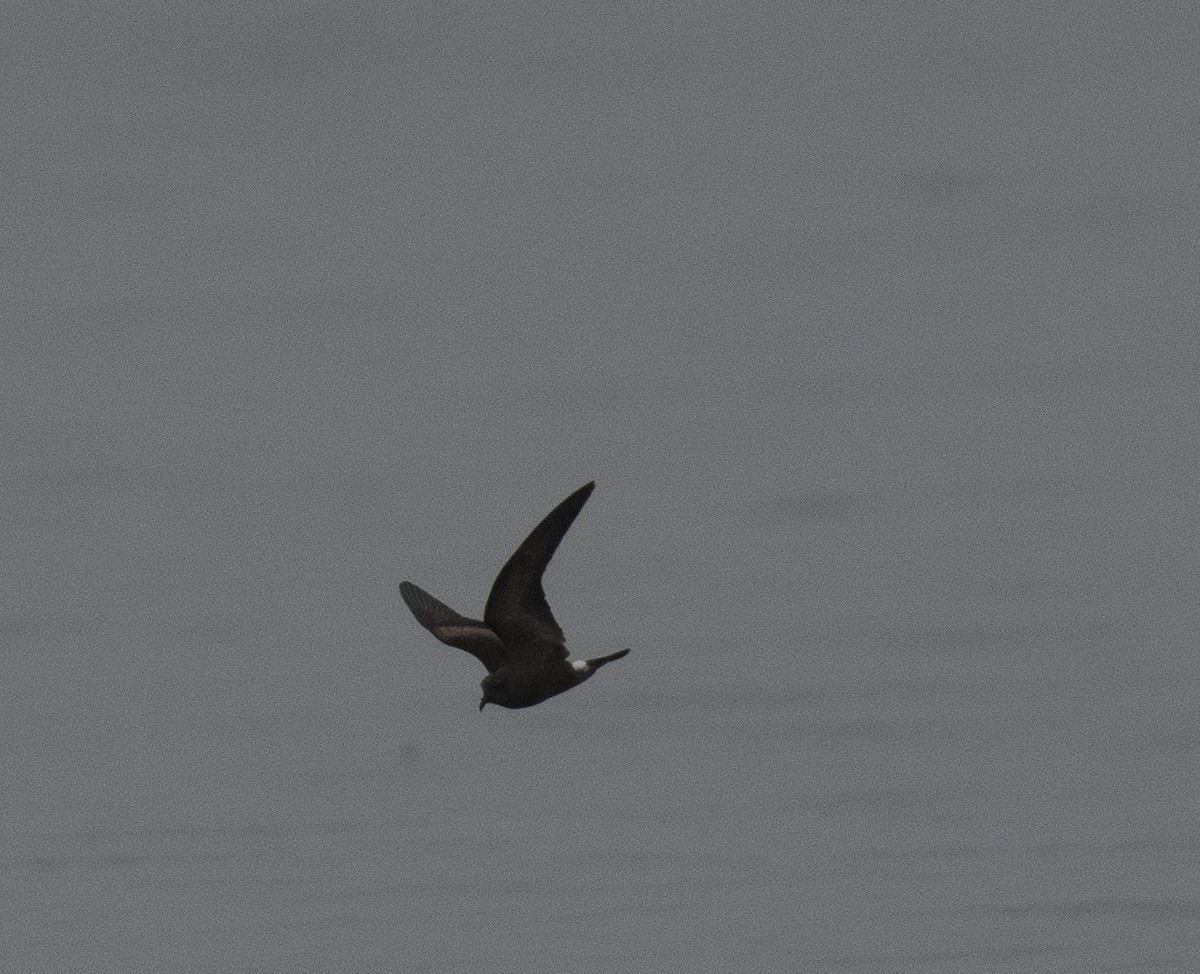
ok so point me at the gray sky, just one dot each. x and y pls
(875, 324)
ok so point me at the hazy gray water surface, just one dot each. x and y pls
(877, 329)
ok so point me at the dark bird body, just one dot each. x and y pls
(518, 640)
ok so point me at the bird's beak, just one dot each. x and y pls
(482, 702)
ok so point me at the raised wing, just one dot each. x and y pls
(516, 608)
(453, 629)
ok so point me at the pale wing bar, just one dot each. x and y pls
(453, 629)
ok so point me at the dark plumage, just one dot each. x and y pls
(518, 640)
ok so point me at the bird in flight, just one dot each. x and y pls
(518, 640)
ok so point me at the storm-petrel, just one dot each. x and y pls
(518, 640)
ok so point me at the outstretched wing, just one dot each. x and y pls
(516, 608)
(453, 629)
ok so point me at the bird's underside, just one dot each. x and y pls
(518, 639)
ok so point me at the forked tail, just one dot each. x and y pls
(599, 661)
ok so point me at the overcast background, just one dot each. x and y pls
(876, 325)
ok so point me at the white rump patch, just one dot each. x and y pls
(580, 665)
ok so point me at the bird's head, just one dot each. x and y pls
(493, 688)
